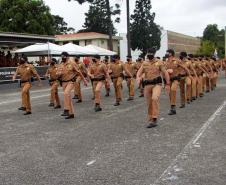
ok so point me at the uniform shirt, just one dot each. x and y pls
(52, 71)
(117, 69)
(131, 67)
(98, 69)
(67, 70)
(26, 72)
(176, 66)
(152, 69)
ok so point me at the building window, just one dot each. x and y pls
(76, 42)
(87, 42)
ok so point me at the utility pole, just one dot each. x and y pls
(225, 42)
(128, 28)
(110, 27)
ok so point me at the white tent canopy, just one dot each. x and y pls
(74, 49)
(100, 51)
(41, 49)
(46, 49)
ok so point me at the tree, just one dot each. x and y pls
(207, 48)
(145, 33)
(60, 26)
(212, 36)
(29, 16)
(100, 18)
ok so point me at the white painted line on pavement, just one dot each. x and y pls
(91, 162)
(34, 97)
(193, 142)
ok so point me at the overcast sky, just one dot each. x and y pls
(183, 16)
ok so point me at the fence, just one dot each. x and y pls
(6, 74)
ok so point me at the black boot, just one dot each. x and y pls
(65, 113)
(57, 107)
(117, 103)
(79, 101)
(51, 105)
(182, 106)
(97, 108)
(71, 116)
(153, 123)
(75, 97)
(130, 98)
(173, 110)
(22, 108)
(27, 113)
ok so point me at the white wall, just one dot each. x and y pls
(135, 54)
(164, 44)
(123, 49)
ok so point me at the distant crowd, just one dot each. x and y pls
(12, 60)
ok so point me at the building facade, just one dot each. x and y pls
(87, 38)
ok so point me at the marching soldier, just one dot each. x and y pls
(185, 81)
(26, 72)
(175, 68)
(52, 74)
(68, 73)
(77, 90)
(152, 69)
(132, 68)
(99, 74)
(140, 61)
(116, 70)
(107, 82)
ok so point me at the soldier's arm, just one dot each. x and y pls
(80, 74)
(127, 71)
(15, 74)
(186, 69)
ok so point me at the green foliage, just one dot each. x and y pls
(213, 38)
(145, 33)
(60, 26)
(207, 48)
(29, 16)
(97, 18)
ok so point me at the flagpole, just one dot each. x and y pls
(128, 28)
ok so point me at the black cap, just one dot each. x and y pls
(128, 56)
(183, 54)
(152, 51)
(106, 57)
(96, 56)
(65, 54)
(54, 60)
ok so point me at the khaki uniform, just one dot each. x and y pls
(138, 65)
(117, 69)
(106, 83)
(68, 74)
(132, 68)
(26, 72)
(77, 89)
(99, 71)
(208, 78)
(185, 83)
(177, 68)
(152, 71)
(52, 72)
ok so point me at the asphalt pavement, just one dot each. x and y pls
(112, 147)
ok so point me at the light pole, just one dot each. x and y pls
(225, 42)
(128, 28)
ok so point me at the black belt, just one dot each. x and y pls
(114, 77)
(52, 80)
(71, 80)
(175, 78)
(99, 79)
(22, 82)
(155, 81)
(182, 76)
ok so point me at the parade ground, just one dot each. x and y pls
(112, 147)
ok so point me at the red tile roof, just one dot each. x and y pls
(77, 35)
